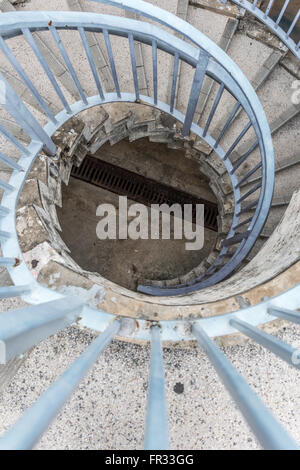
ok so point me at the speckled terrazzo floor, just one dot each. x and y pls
(107, 410)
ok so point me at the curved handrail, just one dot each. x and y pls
(177, 24)
(16, 24)
(200, 40)
(22, 330)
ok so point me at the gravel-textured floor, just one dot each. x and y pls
(107, 410)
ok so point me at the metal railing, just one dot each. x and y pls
(50, 311)
(20, 330)
(249, 215)
(206, 59)
(274, 23)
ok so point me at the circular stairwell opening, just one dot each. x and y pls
(145, 173)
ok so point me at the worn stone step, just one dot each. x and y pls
(96, 50)
(209, 85)
(262, 74)
(53, 59)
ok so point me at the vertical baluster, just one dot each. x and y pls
(4, 211)
(13, 140)
(285, 314)
(244, 157)
(250, 173)
(286, 3)
(157, 436)
(112, 62)
(270, 4)
(214, 108)
(251, 191)
(11, 163)
(293, 24)
(247, 208)
(14, 291)
(268, 431)
(4, 235)
(273, 344)
(154, 60)
(91, 61)
(133, 65)
(237, 141)
(30, 427)
(199, 76)
(14, 62)
(29, 38)
(17, 109)
(68, 63)
(227, 124)
(174, 81)
(5, 262)
(24, 328)
(6, 186)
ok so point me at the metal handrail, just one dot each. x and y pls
(217, 66)
(177, 24)
(274, 23)
(23, 329)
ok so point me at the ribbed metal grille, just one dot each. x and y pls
(140, 189)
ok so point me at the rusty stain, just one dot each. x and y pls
(17, 262)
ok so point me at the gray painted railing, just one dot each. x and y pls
(206, 59)
(26, 433)
(275, 24)
(50, 311)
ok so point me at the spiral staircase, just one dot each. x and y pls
(73, 80)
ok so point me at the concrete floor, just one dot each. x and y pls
(288, 17)
(107, 411)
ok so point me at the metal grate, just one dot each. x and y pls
(140, 189)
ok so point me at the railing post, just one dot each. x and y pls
(199, 76)
(273, 344)
(23, 328)
(157, 436)
(288, 315)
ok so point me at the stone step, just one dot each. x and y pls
(181, 12)
(281, 120)
(52, 58)
(19, 86)
(221, 7)
(96, 50)
(280, 166)
(214, 26)
(139, 58)
(209, 85)
(261, 76)
(14, 129)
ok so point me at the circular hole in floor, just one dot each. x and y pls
(146, 173)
